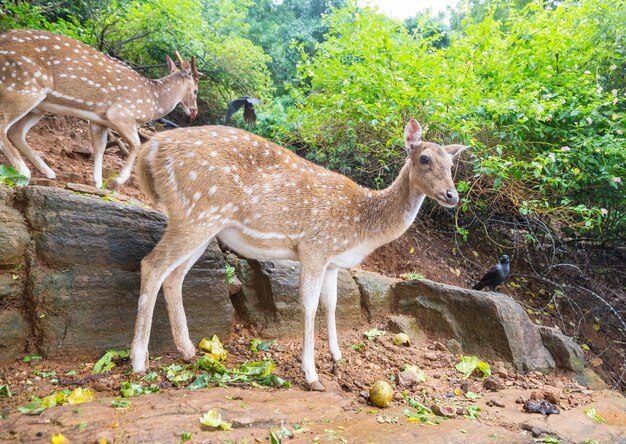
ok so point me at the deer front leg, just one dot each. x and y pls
(173, 291)
(128, 131)
(329, 302)
(17, 136)
(99, 142)
(310, 287)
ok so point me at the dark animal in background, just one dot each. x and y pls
(249, 116)
(495, 275)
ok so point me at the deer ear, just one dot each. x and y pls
(170, 65)
(412, 135)
(455, 150)
(185, 68)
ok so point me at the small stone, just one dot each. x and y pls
(537, 395)
(397, 396)
(469, 387)
(499, 369)
(535, 432)
(436, 376)
(460, 411)
(431, 356)
(493, 383)
(498, 403)
(439, 346)
(454, 347)
(443, 410)
(408, 377)
(551, 396)
(520, 400)
(100, 386)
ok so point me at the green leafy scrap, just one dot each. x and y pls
(472, 412)
(591, 412)
(213, 348)
(11, 177)
(130, 389)
(420, 412)
(105, 363)
(373, 333)
(38, 405)
(5, 391)
(468, 364)
(257, 344)
(214, 420)
(547, 439)
(30, 358)
(120, 403)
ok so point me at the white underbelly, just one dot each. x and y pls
(352, 257)
(236, 240)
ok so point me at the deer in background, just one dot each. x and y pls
(42, 72)
(267, 203)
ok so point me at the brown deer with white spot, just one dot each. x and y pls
(267, 203)
(42, 72)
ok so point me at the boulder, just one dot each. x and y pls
(566, 353)
(489, 325)
(14, 237)
(270, 298)
(376, 293)
(84, 274)
(13, 334)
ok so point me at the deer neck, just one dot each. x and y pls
(390, 212)
(166, 93)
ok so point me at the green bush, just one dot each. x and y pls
(539, 94)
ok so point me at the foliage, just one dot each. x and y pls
(130, 389)
(373, 333)
(120, 403)
(420, 412)
(257, 344)
(591, 412)
(468, 364)
(214, 420)
(75, 397)
(105, 363)
(11, 177)
(537, 91)
(5, 391)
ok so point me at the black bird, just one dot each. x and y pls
(249, 116)
(495, 275)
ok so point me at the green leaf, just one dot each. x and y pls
(30, 358)
(547, 439)
(5, 391)
(186, 436)
(214, 420)
(130, 389)
(468, 364)
(150, 376)
(201, 381)
(213, 348)
(105, 363)
(257, 344)
(10, 177)
(591, 412)
(472, 411)
(373, 333)
(120, 403)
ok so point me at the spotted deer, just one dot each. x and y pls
(42, 72)
(267, 203)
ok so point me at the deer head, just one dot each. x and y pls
(431, 165)
(190, 73)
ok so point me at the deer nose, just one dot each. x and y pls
(452, 196)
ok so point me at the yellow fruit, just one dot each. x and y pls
(381, 394)
(402, 339)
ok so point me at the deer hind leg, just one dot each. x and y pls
(128, 130)
(99, 142)
(175, 248)
(329, 302)
(17, 135)
(17, 106)
(311, 277)
(173, 291)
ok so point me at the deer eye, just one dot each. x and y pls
(195, 91)
(424, 159)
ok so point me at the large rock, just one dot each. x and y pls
(83, 274)
(376, 293)
(490, 325)
(14, 237)
(270, 298)
(566, 353)
(13, 334)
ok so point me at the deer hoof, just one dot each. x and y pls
(189, 356)
(316, 386)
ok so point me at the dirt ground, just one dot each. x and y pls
(340, 414)
(343, 413)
